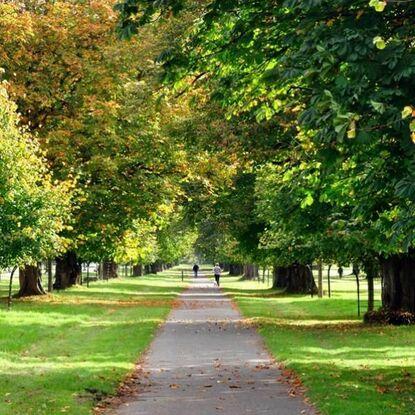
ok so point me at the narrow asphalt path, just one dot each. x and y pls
(204, 362)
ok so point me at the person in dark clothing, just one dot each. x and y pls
(195, 270)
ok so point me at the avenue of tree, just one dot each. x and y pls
(263, 132)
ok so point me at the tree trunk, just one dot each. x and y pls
(235, 269)
(398, 272)
(329, 280)
(250, 272)
(147, 269)
(50, 278)
(279, 277)
(301, 280)
(155, 267)
(159, 266)
(320, 279)
(137, 270)
(110, 269)
(30, 281)
(371, 270)
(68, 271)
(295, 279)
(356, 273)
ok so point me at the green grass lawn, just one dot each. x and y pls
(54, 349)
(347, 367)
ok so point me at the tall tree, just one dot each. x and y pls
(33, 208)
(89, 97)
(337, 73)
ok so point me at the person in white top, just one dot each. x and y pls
(217, 271)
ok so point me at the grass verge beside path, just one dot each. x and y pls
(58, 352)
(347, 367)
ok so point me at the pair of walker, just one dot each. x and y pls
(216, 272)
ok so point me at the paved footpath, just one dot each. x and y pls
(204, 362)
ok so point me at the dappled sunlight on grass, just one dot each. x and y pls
(300, 309)
(294, 322)
(56, 348)
(349, 368)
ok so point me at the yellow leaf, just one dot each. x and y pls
(406, 112)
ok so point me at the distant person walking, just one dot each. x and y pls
(217, 271)
(195, 270)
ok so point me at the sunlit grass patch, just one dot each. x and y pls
(55, 350)
(349, 368)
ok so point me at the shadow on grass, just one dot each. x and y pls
(266, 292)
(350, 369)
(345, 391)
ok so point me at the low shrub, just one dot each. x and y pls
(386, 316)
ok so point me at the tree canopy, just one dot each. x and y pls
(34, 208)
(334, 80)
(276, 132)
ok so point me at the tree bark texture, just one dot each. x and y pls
(30, 281)
(295, 279)
(110, 270)
(398, 272)
(137, 270)
(250, 272)
(279, 277)
(68, 271)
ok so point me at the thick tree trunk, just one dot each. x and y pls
(295, 279)
(137, 270)
(155, 267)
(110, 269)
(236, 269)
(147, 269)
(398, 272)
(68, 271)
(30, 281)
(279, 277)
(250, 271)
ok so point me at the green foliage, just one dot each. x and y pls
(336, 79)
(90, 99)
(33, 208)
